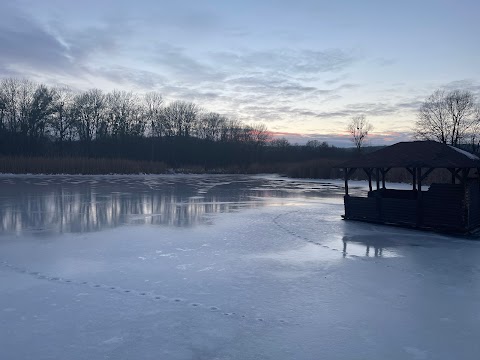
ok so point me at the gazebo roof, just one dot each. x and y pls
(427, 154)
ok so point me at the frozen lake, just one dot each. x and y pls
(223, 267)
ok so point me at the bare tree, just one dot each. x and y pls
(153, 105)
(259, 134)
(232, 131)
(448, 118)
(180, 117)
(281, 143)
(89, 110)
(10, 89)
(62, 122)
(210, 125)
(315, 144)
(123, 113)
(41, 109)
(25, 95)
(3, 110)
(359, 128)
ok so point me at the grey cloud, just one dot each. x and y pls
(24, 42)
(287, 60)
(105, 39)
(237, 32)
(369, 109)
(200, 96)
(182, 17)
(336, 79)
(271, 90)
(123, 75)
(184, 66)
(7, 71)
(34, 49)
(196, 20)
(464, 84)
(411, 105)
(183, 92)
(348, 86)
(384, 61)
(271, 83)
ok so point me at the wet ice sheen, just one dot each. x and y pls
(223, 267)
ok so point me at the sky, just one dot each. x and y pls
(304, 68)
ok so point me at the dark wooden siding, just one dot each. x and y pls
(473, 200)
(394, 211)
(397, 211)
(444, 207)
(360, 208)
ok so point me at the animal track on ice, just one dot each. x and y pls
(131, 292)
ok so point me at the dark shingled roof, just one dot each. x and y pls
(428, 154)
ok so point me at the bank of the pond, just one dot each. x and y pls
(323, 168)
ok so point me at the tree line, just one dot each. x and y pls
(38, 120)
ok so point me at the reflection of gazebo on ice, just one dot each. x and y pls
(453, 206)
(373, 246)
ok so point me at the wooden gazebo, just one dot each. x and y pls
(453, 206)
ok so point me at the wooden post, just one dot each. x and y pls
(377, 176)
(453, 171)
(466, 209)
(419, 179)
(419, 197)
(348, 173)
(345, 170)
(414, 179)
(384, 172)
(368, 171)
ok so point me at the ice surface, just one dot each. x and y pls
(223, 267)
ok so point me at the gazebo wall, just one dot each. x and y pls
(452, 207)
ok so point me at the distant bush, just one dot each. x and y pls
(77, 165)
(315, 169)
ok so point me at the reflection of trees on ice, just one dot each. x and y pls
(78, 204)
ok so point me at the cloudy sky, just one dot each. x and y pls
(302, 67)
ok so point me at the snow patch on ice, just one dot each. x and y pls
(208, 268)
(183, 266)
(113, 340)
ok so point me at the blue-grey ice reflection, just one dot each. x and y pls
(62, 204)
